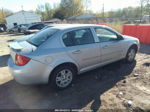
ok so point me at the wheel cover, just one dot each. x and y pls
(64, 78)
(131, 55)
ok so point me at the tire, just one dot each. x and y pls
(26, 33)
(19, 30)
(130, 57)
(57, 77)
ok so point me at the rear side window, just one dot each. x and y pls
(78, 37)
(42, 36)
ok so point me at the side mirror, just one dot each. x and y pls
(119, 37)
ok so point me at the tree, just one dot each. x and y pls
(40, 10)
(129, 13)
(45, 10)
(71, 7)
(3, 14)
(48, 11)
(58, 14)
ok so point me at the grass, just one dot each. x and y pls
(116, 25)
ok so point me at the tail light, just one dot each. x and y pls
(21, 60)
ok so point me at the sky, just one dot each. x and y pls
(94, 5)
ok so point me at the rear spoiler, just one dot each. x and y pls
(15, 46)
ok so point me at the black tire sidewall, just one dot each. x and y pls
(54, 75)
(127, 56)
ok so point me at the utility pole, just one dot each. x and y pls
(141, 8)
(103, 10)
(3, 16)
(148, 9)
(23, 14)
(2, 13)
(86, 5)
(141, 13)
(22, 7)
(87, 2)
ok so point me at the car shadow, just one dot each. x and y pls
(16, 34)
(11, 40)
(87, 89)
(4, 60)
(11, 34)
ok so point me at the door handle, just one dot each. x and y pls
(76, 52)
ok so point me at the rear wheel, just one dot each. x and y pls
(130, 57)
(62, 77)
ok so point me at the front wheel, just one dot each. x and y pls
(130, 57)
(62, 77)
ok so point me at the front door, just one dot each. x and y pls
(110, 46)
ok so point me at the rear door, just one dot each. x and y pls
(110, 46)
(80, 45)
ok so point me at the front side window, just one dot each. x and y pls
(78, 37)
(105, 35)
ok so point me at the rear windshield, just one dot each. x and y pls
(42, 36)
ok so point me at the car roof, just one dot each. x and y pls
(69, 26)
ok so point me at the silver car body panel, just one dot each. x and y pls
(32, 73)
(53, 52)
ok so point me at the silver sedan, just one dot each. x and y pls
(59, 53)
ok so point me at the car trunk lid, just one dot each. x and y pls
(20, 47)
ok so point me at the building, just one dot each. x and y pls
(22, 17)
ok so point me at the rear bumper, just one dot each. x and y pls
(33, 72)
